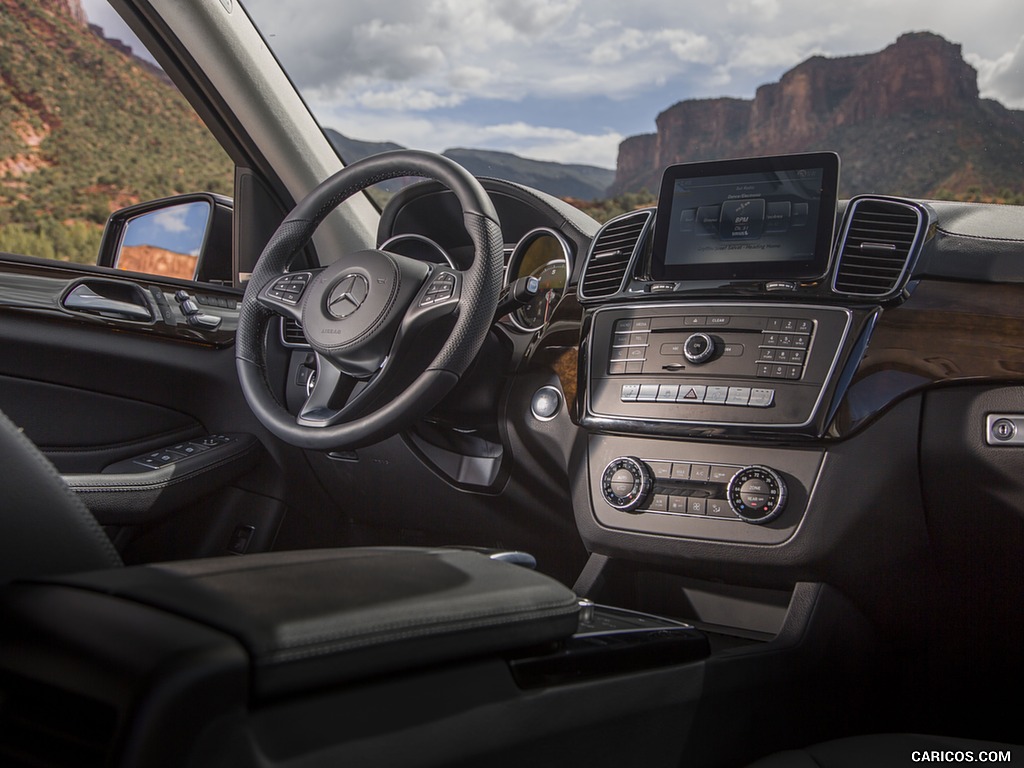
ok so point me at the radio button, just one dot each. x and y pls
(695, 394)
(738, 396)
(667, 393)
(623, 326)
(648, 393)
(717, 395)
(630, 392)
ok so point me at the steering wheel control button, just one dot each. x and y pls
(289, 288)
(1004, 429)
(546, 403)
(757, 494)
(626, 483)
(441, 288)
(699, 348)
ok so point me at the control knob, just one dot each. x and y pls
(698, 348)
(626, 483)
(757, 494)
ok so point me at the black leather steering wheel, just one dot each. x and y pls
(370, 315)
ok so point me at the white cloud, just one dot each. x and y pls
(172, 219)
(1002, 78)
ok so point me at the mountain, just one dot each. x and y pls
(907, 120)
(87, 127)
(584, 182)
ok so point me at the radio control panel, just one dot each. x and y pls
(758, 365)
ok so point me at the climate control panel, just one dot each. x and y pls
(751, 494)
(697, 489)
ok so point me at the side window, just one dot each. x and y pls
(89, 125)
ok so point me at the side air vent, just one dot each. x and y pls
(292, 335)
(611, 254)
(878, 242)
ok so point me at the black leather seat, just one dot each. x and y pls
(891, 749)
(46, 528)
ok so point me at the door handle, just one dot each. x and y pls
(108, 298)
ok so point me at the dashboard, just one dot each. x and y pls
(731, 362)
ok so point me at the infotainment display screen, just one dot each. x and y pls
(752, 219)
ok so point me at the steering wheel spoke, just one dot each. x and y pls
(331, 392)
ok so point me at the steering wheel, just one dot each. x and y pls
(373, 318)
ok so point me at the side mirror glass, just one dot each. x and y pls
(167, 241)
(187, 237)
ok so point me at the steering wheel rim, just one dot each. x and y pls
(480, 284)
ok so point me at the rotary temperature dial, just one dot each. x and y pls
(626, 483)
(757, 494)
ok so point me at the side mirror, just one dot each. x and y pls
(187, 237)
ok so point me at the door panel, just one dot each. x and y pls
(95, 390)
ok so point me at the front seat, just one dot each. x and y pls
(46, 529)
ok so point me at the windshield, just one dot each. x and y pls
(917, 98)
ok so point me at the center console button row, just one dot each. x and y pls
(636, 324)
(786, 340)
(777, 371)
(696, 394)
(689, 505)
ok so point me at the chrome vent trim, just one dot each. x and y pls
(879, 240)
(292, 335)
(613, 251)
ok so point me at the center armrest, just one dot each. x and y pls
(321, 617)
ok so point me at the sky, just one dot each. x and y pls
(567, 80)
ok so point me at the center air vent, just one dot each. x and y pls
(878, 243)
(291, 334)
(611, 254)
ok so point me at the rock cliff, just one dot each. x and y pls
(907, 120)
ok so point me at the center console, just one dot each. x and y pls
(708, 377)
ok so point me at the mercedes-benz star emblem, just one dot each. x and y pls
(348, 296)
